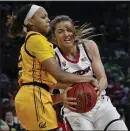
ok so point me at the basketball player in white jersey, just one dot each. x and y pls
(81, 56)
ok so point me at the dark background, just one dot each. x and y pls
(111, 19)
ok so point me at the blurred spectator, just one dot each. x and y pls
(113, 71)
(120, 53)
(118, 33)
(124, 94)
(13, 91)
(9, 119)
(4, 86)
(3, 126)
(116, 92)
(129, 97)
(129, 71)
(103, 32)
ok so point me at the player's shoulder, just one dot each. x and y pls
(35, 36)
(90, 44)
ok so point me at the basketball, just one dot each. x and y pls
(85, 95)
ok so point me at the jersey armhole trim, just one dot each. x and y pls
(26, 44)
(58, 59)
(86, 52)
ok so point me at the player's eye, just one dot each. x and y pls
(43, 17)
(60, 31)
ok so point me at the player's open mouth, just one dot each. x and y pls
(68, 40)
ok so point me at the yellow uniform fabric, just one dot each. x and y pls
(38, 46)
(34, 106)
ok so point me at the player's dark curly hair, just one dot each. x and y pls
(18, 22)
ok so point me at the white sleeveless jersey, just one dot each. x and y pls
(81, 67)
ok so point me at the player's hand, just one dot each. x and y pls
(95, 83)
(97, 91)
(69, 102)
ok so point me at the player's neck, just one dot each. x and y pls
(69, 51)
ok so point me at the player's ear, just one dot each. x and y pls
(31, 22)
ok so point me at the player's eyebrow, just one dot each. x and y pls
(60, 29)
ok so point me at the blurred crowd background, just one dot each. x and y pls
(111, 19)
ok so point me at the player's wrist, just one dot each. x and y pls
(90, 79)
(59, 98)
(62, 97)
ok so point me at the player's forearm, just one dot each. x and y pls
(65, 77)
(57, 98)
(62, 86)
(102, 83)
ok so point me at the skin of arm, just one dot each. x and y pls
(97, 65)
(62, 86)
(61, 76)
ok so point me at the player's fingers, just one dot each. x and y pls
(95, 88)
(95, 84)
(70, 107)
(68, 89)
(98, 93)
(71, 99)
(71, 103)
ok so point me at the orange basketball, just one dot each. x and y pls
(86, 96)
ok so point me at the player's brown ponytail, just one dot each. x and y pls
(81, 33)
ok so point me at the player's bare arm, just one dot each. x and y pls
(64, 77)
(62, 86)
(97, 64)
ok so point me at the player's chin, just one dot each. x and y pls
(68, 46)
(46, 33)
(47, 28)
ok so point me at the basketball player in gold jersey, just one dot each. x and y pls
(40, 72)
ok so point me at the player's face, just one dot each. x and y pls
(64, 34)
(41, 21)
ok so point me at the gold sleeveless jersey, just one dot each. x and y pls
(35, 50)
